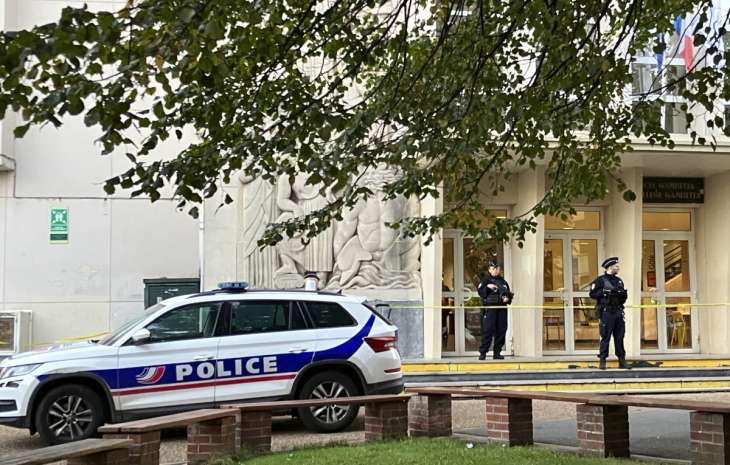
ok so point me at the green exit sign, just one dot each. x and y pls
(59, 225)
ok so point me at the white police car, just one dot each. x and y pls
(207, 349)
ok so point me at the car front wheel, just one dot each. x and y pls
(328, 418)
(69, 413)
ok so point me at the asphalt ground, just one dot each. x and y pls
(654, 432)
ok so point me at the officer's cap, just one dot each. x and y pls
(494, 264)
(609, 262)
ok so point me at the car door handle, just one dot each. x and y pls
(297, 350)
(199, 358)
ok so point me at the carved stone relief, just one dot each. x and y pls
(359, 252)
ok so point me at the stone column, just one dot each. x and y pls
(431, 268)
(623, 233)
(527, 269)
(712, 222)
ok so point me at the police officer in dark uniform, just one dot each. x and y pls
(610, 295)
(495, 292)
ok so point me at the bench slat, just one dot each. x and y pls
(175, 420)
(674, 404)
(66, 451)
(536, 395)
(263, 406)
(592, 399)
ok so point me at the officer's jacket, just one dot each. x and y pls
(609, 292)
(492, 297)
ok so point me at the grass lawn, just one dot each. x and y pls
(425, 452)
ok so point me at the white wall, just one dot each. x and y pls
(94, 282)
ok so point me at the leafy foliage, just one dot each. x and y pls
(460, 94)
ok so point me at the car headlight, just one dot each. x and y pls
(10, 372)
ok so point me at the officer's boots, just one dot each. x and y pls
(622, 364)
(602, 364)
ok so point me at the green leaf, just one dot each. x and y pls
(187, 14)
(92, 117)
(20, 131)
(159, 110)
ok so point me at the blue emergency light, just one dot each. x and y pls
(233, 286)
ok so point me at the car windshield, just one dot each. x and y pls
(113, 337)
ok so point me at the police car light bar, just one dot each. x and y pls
(233, 286)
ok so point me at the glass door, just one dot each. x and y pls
(463, 260)
(667, 281)
(570, 266)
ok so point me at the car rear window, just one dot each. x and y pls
(329, 315)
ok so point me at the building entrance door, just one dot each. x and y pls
(463, 261)
(667, 267)
(570, 266)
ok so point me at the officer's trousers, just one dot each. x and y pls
(612, 324)
(494, 326)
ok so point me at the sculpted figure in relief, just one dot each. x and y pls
(368, 253)
(259, 209)
(295, 200)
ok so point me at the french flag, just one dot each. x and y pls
(688, 49)
(151, 375)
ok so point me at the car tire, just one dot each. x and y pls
(69, 413)
(333, 418)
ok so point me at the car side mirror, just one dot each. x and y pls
(141, 336)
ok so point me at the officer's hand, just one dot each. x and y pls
(505, 299)
(492, 287)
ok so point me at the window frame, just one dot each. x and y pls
(666, 98)
(228, 316)
(305, 306)
(214, 334)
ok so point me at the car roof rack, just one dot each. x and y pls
(223, 289)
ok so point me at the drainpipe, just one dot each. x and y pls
(201, 247)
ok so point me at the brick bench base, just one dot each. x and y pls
(709, 435)
(430, 415)
(386, 420)
(116, 457)
(145, 448)
(209, 438)
(509, 421)
(603, 430)
(256, 431)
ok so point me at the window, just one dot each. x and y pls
(192, 322)
(644, 78)
(329, 315)
(582, 220)
(667, 221)
(650, 86)
(253, 317)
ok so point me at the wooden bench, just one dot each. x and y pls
(209, 432)
(508, 414)
(386, 417)
(86, 452)
(602, 420)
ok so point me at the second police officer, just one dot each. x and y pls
(610, 294)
